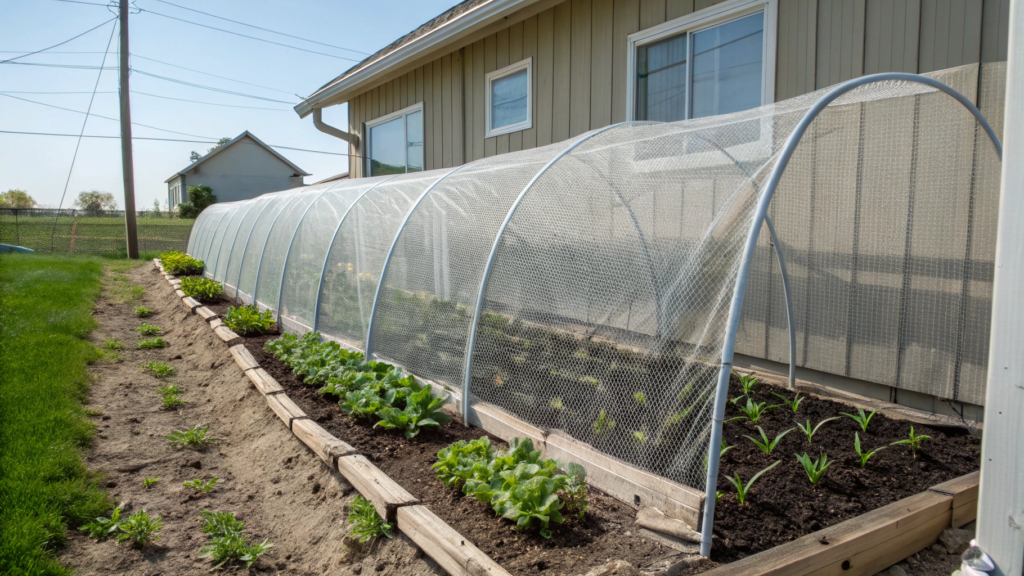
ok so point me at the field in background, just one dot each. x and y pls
(75, 232)
(46, 305)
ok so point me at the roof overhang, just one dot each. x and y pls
(367, 75)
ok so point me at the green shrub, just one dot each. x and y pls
(199, 197)
(202, 289)
(178, 263)
(247, 320)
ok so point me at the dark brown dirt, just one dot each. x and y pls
(606, 534)
(783, 505)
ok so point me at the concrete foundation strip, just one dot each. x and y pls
(444, 544)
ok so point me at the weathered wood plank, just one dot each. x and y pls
(283, 406)
(215, 323)
(243, 358)
(264, 382)
(963, 489)
(179, 293)
(376, 486)
(227, 335)
(190, 303)
(205, 313)
(964, 514)
(320, 441)
(448, 548)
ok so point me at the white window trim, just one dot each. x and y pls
(697, 21)
(499, 74)
(418, 107)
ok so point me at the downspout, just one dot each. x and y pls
(328, 129)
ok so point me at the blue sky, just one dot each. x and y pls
(40, 164)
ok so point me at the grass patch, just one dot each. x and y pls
(46, 307)
(151, 343)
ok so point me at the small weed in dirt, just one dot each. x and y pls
(140, 529)
(160, 369)
(170, 395)
(195, 438)
(147, 482)
(247, 320)
(227, 542)
(148, 330)
(199, 485)
(366, 523)
(142, 312)
(151, 343)
(103, 527)
(113, 344)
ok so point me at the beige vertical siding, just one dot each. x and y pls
(578, 49)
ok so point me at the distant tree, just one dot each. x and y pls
(199, 197)
(194, 156)
(156, 209)
(220, 144)
(95, 200)
(15, 198)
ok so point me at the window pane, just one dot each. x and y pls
(727, 67)
(508, 100)
(661, 80)
(414, 140)
(387, 148)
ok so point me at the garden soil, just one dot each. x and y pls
(270, 480)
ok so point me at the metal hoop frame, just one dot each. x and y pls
(238, 289)
(203, 237)
(760, 214)
(234, 239)
(327, 256)
(246, 245)
(209, 248)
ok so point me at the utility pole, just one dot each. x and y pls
(127, 163)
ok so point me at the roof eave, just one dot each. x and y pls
(463, 24)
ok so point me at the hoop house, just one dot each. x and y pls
(595, 288)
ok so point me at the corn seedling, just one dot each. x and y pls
(366, 523)
(148, 330)
(113, 344)
(199, 485)
(142, 312)
(147, 482)
(140, 529)
(557, 404)
(742, 490)
(725, 448)
(914, 441)
(640, 397)
(809, 432)
(735, 400)
(863, 455)
(754, 410)
(159, 369)
(860, 418)
(195, 438)
(815, 469)
(764, 443)
(151, 343)
(718, 496)
(793, 404)
(169, 395)
(639, 436)
(603, 424)
(748, 381)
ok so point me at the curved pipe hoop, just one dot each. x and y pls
(209, 249)
(246, 249)
(263, 252)
(327, 256)
(284, 270)
(490, 263)
(235, 239)
(761, 211)
(368, 352)
(201, 237)
(204, 240)
(789, 302)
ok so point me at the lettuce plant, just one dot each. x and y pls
(202, 289)
(533, 499)
(248, 320)
(455, 463)
(422, 410)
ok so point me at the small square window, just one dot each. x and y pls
(509, 99)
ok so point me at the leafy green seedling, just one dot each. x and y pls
(718, 496)
(809, 432)
(113, 344)
(142, 312)
(640, 397)
(248, 320)
(366, 523)
(863, 455)
(140, 529)
(195, 438)
(169, 395)
(764, 443)
(574, 486)
(202, 289)
(221, 523)
(914, 441)
(148, 330)
(603, 424)
(815, 469)
(793, 404)
(861, 418)
(530, 499)
(557, 404)
(742, 490)
(147, 482)
(151, 343)
(199, 485)
(159, 369)
(748, 381)
(754, 410)
(639, 436)
(422, 410)
(725, 448)
(103, 527)
(735, 400)
(233, 548)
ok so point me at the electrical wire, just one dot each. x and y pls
(84, 123)
(204, 87)
(134, 55)
(258, 28)
(80, 2)
(136, 92)
(247, 36)
(173, 140)
(103, 117)
(62, 43)
(75, 66)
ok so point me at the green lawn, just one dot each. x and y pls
(46, 307)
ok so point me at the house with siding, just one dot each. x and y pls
(490, 77)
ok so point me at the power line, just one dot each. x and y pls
(80, 2)
(249, 37)
(134, 55)
(99, 116)
(264, 29)
(62, 43)
(30, 92)
(136, 92)
(221, 90)
(172, 140)
(75, 66)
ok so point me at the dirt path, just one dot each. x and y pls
(265, 475)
